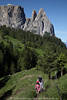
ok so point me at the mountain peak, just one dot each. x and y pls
(14, 16)
(34, 14)
(39, 23)
(41, 12)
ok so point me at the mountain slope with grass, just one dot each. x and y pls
(23, 57)
(22, 85)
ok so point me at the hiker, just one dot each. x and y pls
(37, 86)
(41, 83)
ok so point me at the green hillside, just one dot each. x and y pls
(22, 85)
(23, 57)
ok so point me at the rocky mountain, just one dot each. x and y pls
(39, 23)
(14, 16)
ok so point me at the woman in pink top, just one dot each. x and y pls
(37, 86)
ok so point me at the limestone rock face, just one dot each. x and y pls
(12, 16)
(39, 23)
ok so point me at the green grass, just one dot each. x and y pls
(22, 85)
(52, 91)
(62, 84)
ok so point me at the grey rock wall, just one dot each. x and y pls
(40, 24)
(14, 16)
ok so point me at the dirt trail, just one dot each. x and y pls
(52, 84)
(26, 76)
(58, 89)
(21, 89)
(37, 97)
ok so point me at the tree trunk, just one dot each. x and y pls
(49, 75)
(62, 71)
(55, 75)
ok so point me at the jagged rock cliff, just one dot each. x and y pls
(14, 16)
(39, 23)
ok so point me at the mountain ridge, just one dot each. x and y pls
(14, 16)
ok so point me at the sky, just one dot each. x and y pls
(56, 10)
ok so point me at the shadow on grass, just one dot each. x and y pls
(7, 94)
(3, 81)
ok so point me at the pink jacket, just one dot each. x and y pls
(37, 87)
